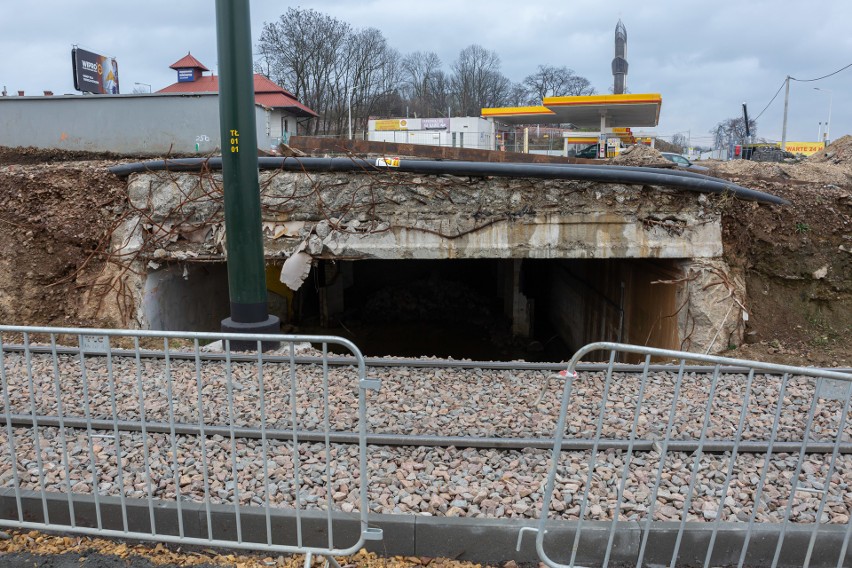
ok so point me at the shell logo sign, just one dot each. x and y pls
(392, 124)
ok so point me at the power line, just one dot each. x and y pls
(770, 102)
(801, 81)
(823, 77)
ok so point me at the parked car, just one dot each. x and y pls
(589, 152)
(682, 162)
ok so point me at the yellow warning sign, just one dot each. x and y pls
(806, 148)
(392, 124)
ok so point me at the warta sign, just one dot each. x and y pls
(805, 148)
(94, 73)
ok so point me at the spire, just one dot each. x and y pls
(619, 62)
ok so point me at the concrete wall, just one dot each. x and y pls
(587, 298)
(144, 124)
(188, 296)
(439, 217)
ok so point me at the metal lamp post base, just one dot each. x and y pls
(272, 325)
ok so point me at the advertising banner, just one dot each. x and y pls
(94, 73)
(186, 75)
(392, 124)
(435, 123)
(806, 148)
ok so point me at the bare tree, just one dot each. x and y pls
(326, 63)
(551, 81)
(420, 70)
(332, 67)
(518, 95)
(732, 131)
(681, 141)
(477, 81)
(440, 93)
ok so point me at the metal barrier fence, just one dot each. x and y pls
(111, 440)
(619, 495)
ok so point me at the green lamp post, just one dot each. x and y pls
(246, 266)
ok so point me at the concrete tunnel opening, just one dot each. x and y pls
(482, 309)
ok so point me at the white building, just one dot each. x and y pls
(455, 132)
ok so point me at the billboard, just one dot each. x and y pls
(94, 73)
(435, 123)
(186, 75)
(392, 124)
(806, 148)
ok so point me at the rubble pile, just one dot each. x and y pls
(838, 152)
(640, 155)
(772, 154)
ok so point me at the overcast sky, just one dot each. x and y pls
(704, 58)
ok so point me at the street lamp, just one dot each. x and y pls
(349, 105)
(827, 124)
(144, 84)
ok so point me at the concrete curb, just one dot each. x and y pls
(478, 540)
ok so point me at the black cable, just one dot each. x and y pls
(770, 102)
(823, 77)
(602, 173)
(800, 81)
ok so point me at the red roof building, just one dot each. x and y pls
(287, 110)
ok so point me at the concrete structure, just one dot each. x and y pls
(139, 124)
(592, 261)
(455, 132)
(484, 540)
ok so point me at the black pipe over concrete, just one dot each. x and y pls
(585, 172)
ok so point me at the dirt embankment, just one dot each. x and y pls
(59, 207)
(797, 258)
(53, 219)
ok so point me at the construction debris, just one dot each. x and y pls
(838, 152)
(641, 155)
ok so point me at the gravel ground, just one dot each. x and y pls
(427, 480)
(452, 402)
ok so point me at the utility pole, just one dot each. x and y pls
(349, 105)
(786, 105)
(246, 265)
(827, 136)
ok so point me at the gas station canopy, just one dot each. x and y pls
(585, 111)
(521, 115)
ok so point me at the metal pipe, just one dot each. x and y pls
(603, 173)
(426, 440)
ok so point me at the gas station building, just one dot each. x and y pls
(607, 120)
